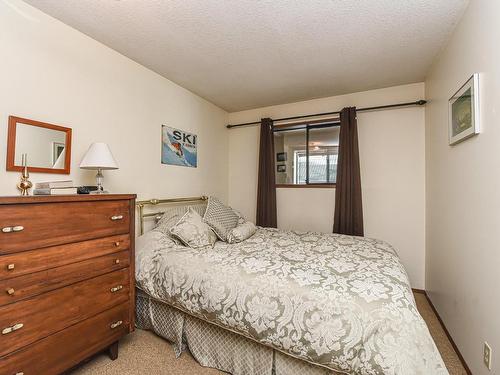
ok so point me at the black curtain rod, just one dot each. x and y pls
(329, 124)
(418, 102)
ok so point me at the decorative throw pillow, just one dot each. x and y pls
(241, 232)
(220, 217)
(241, 218)
(192, 231)
(173, 215)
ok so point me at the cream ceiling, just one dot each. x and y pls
(243, 54)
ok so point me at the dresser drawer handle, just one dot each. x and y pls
(10, 291)
(15, 327)
(116, 217)
(117, 243)
(11, 266)
(116, 288)
(117, 261)
(116, 324)
(19, 373)
(16, 228)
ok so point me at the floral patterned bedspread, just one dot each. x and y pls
(338, 301)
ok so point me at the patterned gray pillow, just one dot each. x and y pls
(241, 232)
(192, 231)
(241, 218)
(173, 215)
(220, 217)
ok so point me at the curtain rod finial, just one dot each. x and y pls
(421, 102)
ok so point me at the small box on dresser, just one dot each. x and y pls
(66, 280)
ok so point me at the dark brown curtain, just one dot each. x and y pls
(266, 188)
(348, 217)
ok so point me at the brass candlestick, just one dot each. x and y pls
(25, 184)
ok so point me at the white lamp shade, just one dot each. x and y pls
(98, 156)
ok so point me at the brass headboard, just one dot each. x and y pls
(154, 202)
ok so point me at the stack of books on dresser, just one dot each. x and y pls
(55, 188)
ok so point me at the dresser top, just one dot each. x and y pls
(64, 198)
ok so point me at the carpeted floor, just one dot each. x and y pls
(145, 353)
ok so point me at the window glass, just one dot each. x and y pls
(286, 144)
(323, 153)
(293, 163)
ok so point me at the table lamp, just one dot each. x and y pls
(99, 157)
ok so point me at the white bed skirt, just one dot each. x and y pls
(216, 347)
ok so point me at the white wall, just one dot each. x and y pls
(463, 191)
(392, 151)
(53, 73)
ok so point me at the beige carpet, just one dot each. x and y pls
(449, 355)
(145, 353)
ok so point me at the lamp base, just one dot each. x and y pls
(99, 192)
(99, 179)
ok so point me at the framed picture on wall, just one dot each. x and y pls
(281, 156)
(281, 168)
(57, 150)
(178, 147)
(463, 108)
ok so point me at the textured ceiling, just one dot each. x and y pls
(242, 54)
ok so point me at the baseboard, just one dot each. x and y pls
(421, 291)
(466, 367)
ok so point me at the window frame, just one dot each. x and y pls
(308, 126)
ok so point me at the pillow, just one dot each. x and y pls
(220, 217)
(241, 232)
(173, 215)
(192, 231)
(241, 218)
(168, 220)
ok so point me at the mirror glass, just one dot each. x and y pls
(45, 147)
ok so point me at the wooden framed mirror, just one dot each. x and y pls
(48, 146)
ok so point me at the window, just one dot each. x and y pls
(322, 166)
(307, 155)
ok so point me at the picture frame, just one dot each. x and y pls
(57, 150)
(463, 111)
(280, 156)
(281, 168)
(20, 133)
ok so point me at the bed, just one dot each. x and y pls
(284, 302)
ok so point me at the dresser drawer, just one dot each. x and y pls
(26, 321)
(18, 264)
(60, 351)
(31, 226)
(17, 288)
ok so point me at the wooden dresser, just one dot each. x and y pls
(66, 280)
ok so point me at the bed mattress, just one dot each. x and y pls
(340, 302)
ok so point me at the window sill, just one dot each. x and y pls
(306, 186)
